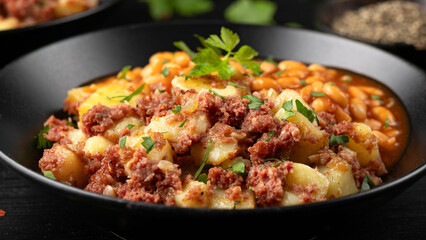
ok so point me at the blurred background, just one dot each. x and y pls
(395, 26)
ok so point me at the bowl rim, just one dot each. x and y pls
(103, 5)
(131, 206)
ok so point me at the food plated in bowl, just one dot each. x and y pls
(16, 14)
(134, 46)
(250, 133)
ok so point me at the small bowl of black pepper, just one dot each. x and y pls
(397, 26)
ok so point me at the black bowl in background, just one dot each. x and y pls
(327, 10)
(34, 87)
(16, 42)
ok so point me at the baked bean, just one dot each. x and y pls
(268, 67)
(289, 64)
(311, 79)
(358, 108)
(161, 57)
(264, 83)
(341, 115)
(384, 115)
(317, 68)
(356, 92)
(384, 141)
(181, 58)
(373, 124)
(319, 105)
(372, 90)
(289, 82)
(337, 95)
(317, 86)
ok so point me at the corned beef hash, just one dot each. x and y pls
(221, 128)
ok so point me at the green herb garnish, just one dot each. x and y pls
(340, 139)
(161, 90)
(202, 178)
(270, 136)
(239, 167)
(129, 97)
(287, 115)
(309, 114)
(165, 72)
(49, 174)
(367, 183)
(255, 102)
(386, 122)
(148, 144)
(122, 141)
(209, 58)
(317, 94)
(238, 86)
(251, 12)
(303, 82)
(204, 160)
(215, 93)
(375, 97)
(42, 142)
(346, 78)
(124, 71)
(177, 109)
(183, 123)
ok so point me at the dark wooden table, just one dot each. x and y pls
(35, 214)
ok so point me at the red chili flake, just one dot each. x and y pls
(2, 213)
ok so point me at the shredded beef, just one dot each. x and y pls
(149, 183)
(268, 182)
(268, 146)
(99, 118)
(154, 105)
(224, 179)
(58, 131)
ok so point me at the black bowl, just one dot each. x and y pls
(18, 41)
(34, 87)
(328, 10)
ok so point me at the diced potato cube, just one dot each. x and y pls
(219, 152)
(305, 176)
(113, 133)
(96, 144)
(340, 176)
(66, 8)
(291, 198)
(169, 126)
(75, 136)
(220, 201)
(312, 138)
(69, 168)
(287, 95)
(361, 142)
(193, 194)
(109, 95)
(9, 23)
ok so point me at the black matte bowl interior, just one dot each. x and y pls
(21, 40)
(34, 87)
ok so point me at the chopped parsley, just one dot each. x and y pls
(309, 114)
(177, 109)
(287, 106)
(202, 178)
(239, 167)
(375, 97)
(251, 12)
(346, 78)
(317, 94)
(122, 141)
(183, 123)
(255, 102)
(161, 90)
(367, 183)
(215, 93)
(136, 92)
(130, 126)
(238, 86)
(340, 139)
(49, 174)
(124, 71)
(197, 173)
(303, 82)
(271, 134)
(42, 142)
(210, 59)
(386, 122)
(148, 144)
(165, 72)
